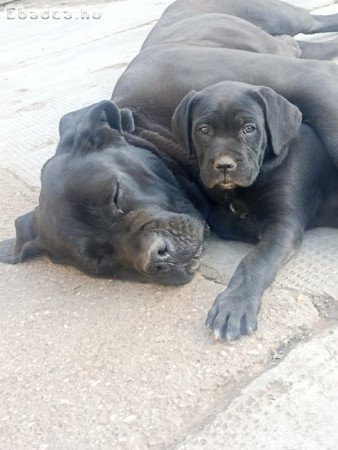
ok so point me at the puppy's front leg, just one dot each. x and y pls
(235, 310)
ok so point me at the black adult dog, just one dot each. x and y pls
(111, 205)
(244, 25)
(244, 139)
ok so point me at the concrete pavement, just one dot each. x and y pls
(292, 406)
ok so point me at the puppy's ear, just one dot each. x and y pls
(26, 245)
(93, 127)
(181, 122)
(282, 119)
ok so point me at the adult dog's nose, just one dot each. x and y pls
(225, 164)
(158, 256)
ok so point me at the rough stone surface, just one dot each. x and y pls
(292, 406)
(92, 363)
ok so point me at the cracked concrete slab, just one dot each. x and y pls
(95, 363)
(290, 407)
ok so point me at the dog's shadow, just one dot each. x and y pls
(7, 251)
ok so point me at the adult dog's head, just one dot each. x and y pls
(109, 204)
(236, 131)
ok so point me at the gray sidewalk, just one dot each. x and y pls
(292, 406)
(103, 364)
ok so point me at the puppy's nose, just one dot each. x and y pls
(225, 164)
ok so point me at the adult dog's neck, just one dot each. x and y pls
(162, 138)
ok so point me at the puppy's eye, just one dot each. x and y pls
(249, 128)
(205, 129)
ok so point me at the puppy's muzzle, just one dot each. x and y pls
(225, 164)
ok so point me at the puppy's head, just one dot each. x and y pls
(236, 131)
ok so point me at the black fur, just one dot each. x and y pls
(283, 175)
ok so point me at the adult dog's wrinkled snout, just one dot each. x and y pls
(168, 249)
(163, 259)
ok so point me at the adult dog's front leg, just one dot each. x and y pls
(235, 310)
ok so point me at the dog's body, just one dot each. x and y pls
(273, 16)
(290, 190)
(254, 153)
(251, 26)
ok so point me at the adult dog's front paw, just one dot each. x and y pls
(232, 315)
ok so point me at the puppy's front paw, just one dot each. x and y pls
(232, 315)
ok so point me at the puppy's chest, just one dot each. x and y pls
(240, 202)
(237, 205)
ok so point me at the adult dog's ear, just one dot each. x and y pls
(26, 245)
(282, 119)
(92, 127)
(127, 120)
(182, 120)
(100, 126)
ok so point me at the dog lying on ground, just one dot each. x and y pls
(111, 205)
(244, 25)
(253, 152)
(245, 142)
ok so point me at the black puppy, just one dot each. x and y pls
(110, 204)
(254, 153)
